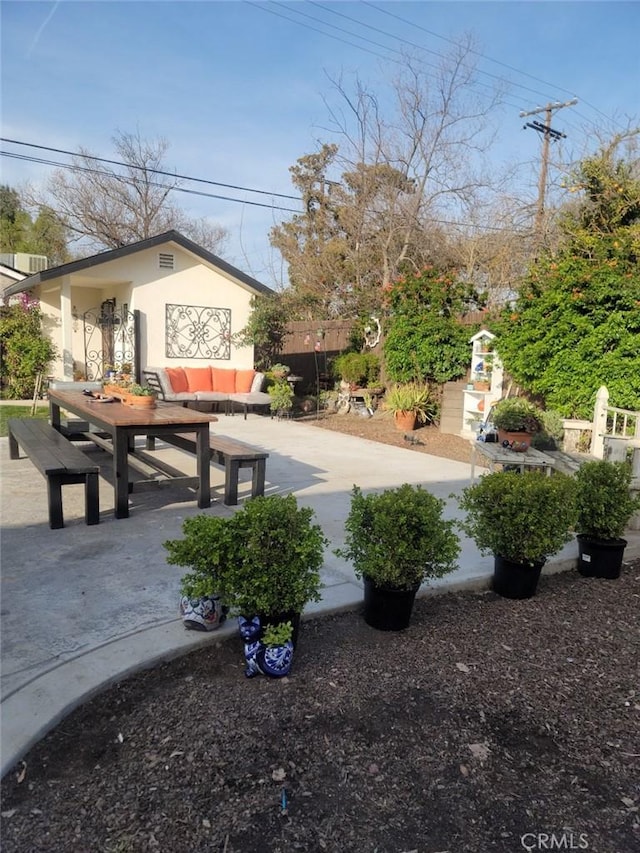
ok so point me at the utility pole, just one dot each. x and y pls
(548, 133)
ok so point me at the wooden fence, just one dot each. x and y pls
(309, 348)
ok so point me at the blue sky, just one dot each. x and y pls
(239, 88)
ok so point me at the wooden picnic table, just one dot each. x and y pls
(123, 423)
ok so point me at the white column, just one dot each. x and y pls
(66, 321)
(599, 423)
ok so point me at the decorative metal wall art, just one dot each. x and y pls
(197, 331)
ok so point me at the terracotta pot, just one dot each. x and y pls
(481, 386)
(141, 402)
(517, 441)
(405, 421)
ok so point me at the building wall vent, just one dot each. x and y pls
(166, 261)
(24, 262)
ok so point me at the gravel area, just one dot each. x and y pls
(489, 725)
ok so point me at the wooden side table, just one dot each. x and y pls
(496, 454)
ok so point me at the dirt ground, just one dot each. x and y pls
(380, 427)
(489, 725)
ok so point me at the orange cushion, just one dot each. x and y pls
(244, 380)
(178, 379)
(224, 379)
(199, 378)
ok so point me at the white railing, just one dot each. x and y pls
(614, 430)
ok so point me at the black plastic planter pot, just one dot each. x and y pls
(600, 558)
(388, 608)
(515, 580)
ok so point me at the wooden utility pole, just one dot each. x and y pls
(548, 133)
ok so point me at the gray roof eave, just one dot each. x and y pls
(122, 252)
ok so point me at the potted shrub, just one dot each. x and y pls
(605, 506)
(262, 561)
(410, 403)
(267, 650)
(207, 544)
(516, 420)
(520, 518)
(397, 539)
(281, 394)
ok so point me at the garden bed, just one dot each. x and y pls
(485, 724)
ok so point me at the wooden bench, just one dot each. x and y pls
(59, 461)
(229, 453)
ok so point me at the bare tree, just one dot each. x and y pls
(113, 206)
(405, 170)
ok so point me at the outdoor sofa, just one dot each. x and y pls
(215, 385)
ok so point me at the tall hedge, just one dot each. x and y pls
(425, 338)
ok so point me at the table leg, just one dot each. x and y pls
(203, 461)
(54, 415)
(121, 474)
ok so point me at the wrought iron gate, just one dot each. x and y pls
(111, 339)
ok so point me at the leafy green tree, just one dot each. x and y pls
(266, 329)
(45, 235)
(425, 337)
(576, 322)
(24, 349)
(14, 221)
(576, 326)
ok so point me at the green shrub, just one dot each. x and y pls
(604, 499)
(515, 414)
(357, 368)
(281, 394)
(264, 559)
(524, 517)
(24, 349)
(398, 537)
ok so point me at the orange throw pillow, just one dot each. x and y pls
(224, 379)
(244, 380)
(178, 379)
(199, 378)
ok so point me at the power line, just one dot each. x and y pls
(264, 8)
(418, 46)
(491, 59)
(147, 169)
(75, 168)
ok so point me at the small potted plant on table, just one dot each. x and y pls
(397, 539)
(410, 403)
(140, 397)
(522, 519)
(605, 506)
(516, 420)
